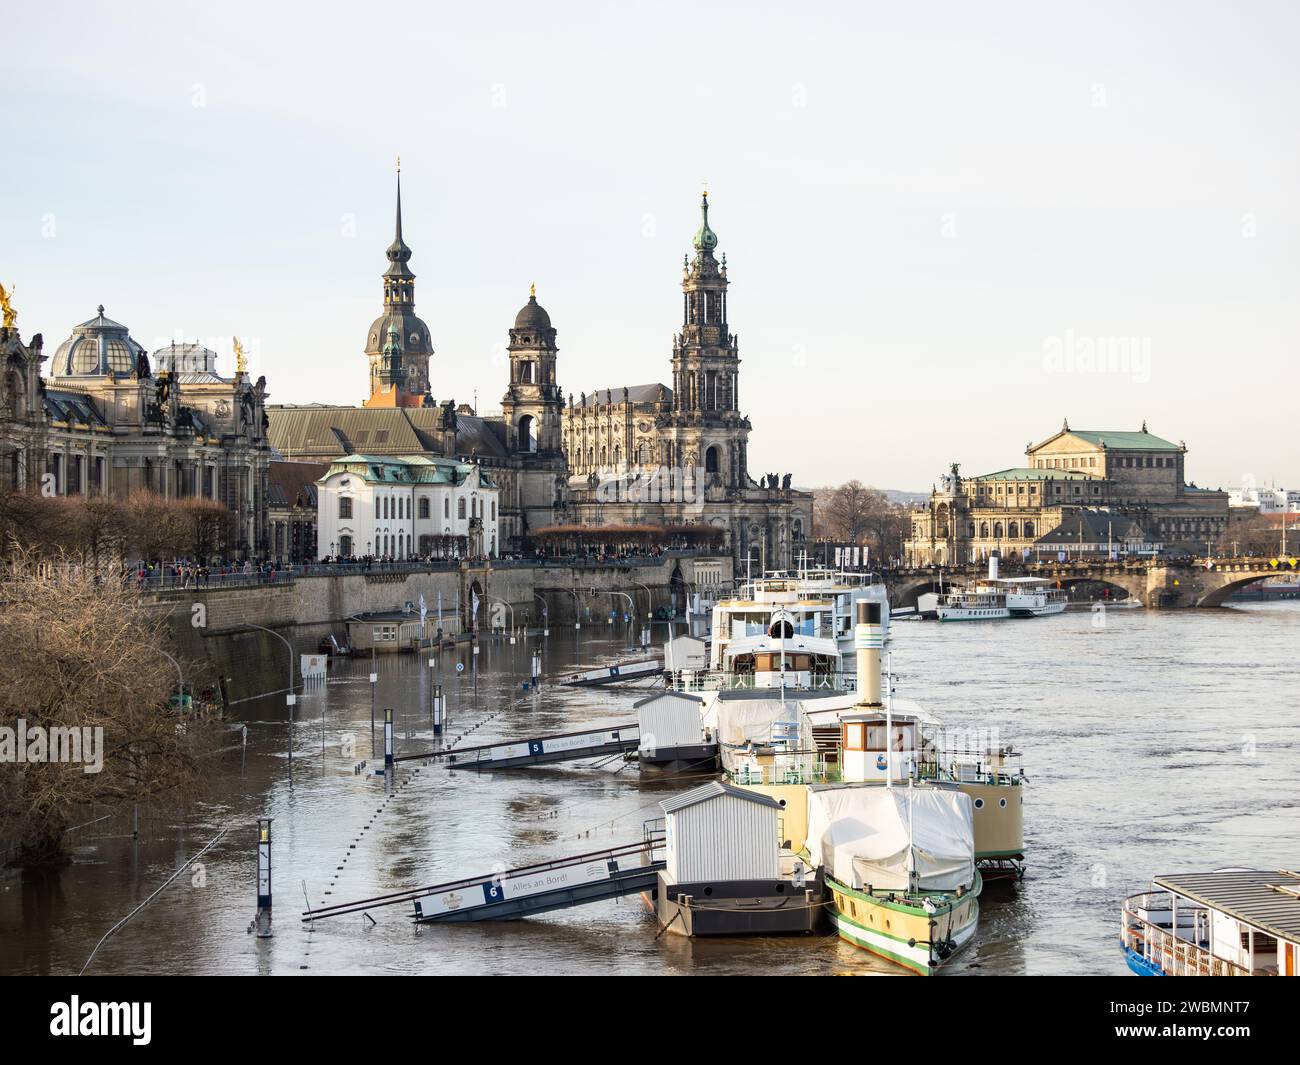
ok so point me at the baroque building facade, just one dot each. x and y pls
(105, 419)
(679, 454)
(519, 451)
(649, 454)
(1130, 484)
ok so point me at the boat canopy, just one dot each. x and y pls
(748, 645)
(892, 839)
(762, 720)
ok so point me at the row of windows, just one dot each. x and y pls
(1128, 461)
(1065, 464)
(399, 507)
(1013, 530)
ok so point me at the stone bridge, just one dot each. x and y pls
(1156, 583)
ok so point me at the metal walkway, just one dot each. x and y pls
(526, 891)
(561, 747)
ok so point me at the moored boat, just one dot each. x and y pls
(1032, 597)
(900, 869)
(1232, 922)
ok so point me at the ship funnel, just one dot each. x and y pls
(868, 639)
(993, 566)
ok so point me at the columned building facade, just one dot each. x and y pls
(1116, 479)
(660, 454)
(108, 420)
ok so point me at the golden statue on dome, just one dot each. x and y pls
(10, 313)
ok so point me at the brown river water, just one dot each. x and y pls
(1153, 743)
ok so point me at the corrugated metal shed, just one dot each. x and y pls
(670, 719)
(1249, 895)
(721, 832)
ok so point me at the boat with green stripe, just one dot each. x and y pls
(920, 932)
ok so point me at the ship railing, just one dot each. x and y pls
(721, 680)
(972, 766)
(1172, 954)
(806, 771)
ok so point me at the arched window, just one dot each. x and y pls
(424, 508)
(712, 459)
(527, 433)
(1029, 530)
(1013, 530)
(997, 530)
(446, 506)
(984, 530)
(460, 507)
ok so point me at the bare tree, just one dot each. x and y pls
(854, 513)
(81, 653)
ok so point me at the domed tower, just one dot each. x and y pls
(99, 347)
(400, 382)
(532, 406)
(705, 425)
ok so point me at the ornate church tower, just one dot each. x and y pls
(398, 343)
(705, 427)
(533, 406)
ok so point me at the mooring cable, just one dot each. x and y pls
(183, 866)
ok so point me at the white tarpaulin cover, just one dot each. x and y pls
(895, 839)
(761, 721)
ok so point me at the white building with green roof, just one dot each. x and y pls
(406, 506)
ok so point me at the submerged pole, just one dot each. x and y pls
(263, 919)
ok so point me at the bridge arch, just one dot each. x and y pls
(907, 592)
(1233, 582)
(1131, 592)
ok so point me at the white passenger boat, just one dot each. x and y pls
(791, 630)
(1233, 922)
(997, 597)
(1032, 597)
(984, 602)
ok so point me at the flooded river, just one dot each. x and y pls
(1153, 742)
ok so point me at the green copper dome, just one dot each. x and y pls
(705, 238)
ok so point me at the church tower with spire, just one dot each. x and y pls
(705, 428)
(397, 345)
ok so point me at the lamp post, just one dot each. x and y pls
(290, 699)
(498, 599)
(180, 680)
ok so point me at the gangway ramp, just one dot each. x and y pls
(527, 891)
(539, 750)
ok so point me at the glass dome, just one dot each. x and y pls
(97, 348)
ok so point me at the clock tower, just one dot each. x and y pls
(705, 429)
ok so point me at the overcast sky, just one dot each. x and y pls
(932, 213)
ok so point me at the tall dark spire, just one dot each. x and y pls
(398, 253)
